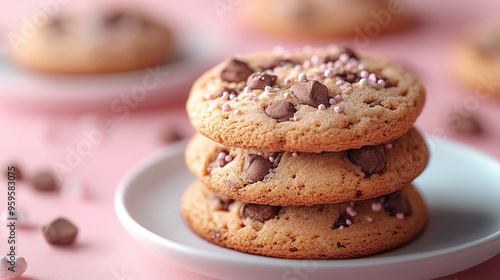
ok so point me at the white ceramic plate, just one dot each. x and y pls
(461, 187)
(196, 51)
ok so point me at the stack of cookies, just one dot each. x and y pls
(306, 154)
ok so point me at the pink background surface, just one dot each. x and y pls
(35, 137)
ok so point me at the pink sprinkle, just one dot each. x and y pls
(348, 222)
(345, 87)
(287, 81)
(221, 155)
(388, 146)
(381, 82)
(372, 77)
(208, 96)
(328, 73)
(225, 96)
(369, 219)
(337, 64)
(339, 82)
(376, 206)
(287, 95)
(298, 67)
(271, 159)
(400, 216)
(364, 74)
(237, 112)
(338, 97)
(251, 96)
(321, 107)
(276, 69)
(361, 66)
(307, 64)
(226, 107)
(338, 109)
(341, 227)
(260, 154)
(315, 59)
(332, 101)
(247, 89)
(344, 57)
(302, 77)
(322, 66)
(351, 211)
(232, 96)
(329, 64)
(255, 99)
(236, 100)
(228, 158)
(295, 154)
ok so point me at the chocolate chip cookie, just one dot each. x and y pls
(307, 100)
(96, 42)
(327, 231)
(477, 59)
(285, 178)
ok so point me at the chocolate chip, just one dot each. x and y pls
(342, 220)
(395, 203)
(217, 161)
(312, 93)
(293, 249)
(463, 122)
(44, 181)
(369, 158)
(374, 103)
(277, 62)
(60, 232)
(260, 80)
(170, 134)
(350, 53)
(256, 167)
(359, 193)
(236, 71)
(259, 212)
(349, 77)
(281, 111)
(224, 202)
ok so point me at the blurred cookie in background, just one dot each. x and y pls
(324, 18)
(476, 59)
(108, 40)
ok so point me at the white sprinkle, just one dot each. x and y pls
(228, 158)
(295, 154)
(338, 109)
(338, 97)
(271, 159)
(294, 118)
(302, 77)
(351, 211)
(226, 107)
(237, 112)
(225, 96)
(208, 96)
(260, 154)
(341, 227)
(287, 95)
(400, 216)
(376, 206)
(232, 96)
(287, 81)
(267, 89)
(251, 96)
(388, 146)
(364, 74)
(348, 222)
(321, 107)
(363, 82)
(328, 73)
(332, 101)
(247, 89)
(369, 219)
(381, 82)
(372, 77)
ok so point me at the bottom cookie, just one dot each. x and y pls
(327, 231)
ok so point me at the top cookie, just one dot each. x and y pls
(312, 100)
(96, 42)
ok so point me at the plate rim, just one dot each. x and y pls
(130, 224)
